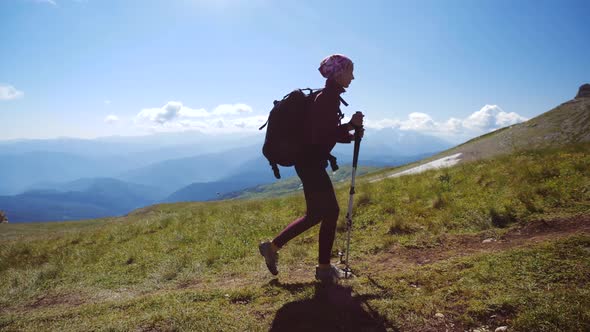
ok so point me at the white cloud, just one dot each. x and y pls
(504, 119)
(185, 124)
(8, 92)
(379, 124)
(488, 118)
(231, 118)
(419, 122)
(452, 126)
(186, 112)
(111, 119)
(174, 116)
(107, 102)
(251, 122)
(232, 109)
(484, 119)
(491, 117)
(172, 111)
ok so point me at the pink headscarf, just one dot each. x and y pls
(333, 65)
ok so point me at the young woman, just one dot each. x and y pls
(322, 130)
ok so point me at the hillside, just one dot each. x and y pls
(565, 124)
(476, 246)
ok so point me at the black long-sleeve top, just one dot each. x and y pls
(322, 128)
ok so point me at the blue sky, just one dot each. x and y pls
(455, 69)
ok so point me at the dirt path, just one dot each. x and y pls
(453, 246)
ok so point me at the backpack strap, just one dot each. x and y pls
(275, 170)
(343, 101)
(274, 104)
(340, 114)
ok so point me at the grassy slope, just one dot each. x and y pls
(195, 266)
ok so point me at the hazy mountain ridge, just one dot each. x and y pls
(390, 144)
(177, 167)
(31, 162)
(18, 172)
(251, 173)
(379, 148)
(170, 175)
(81, 199)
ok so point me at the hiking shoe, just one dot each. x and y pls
(270, 257)
(329, 275)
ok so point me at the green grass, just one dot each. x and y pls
(195, 266)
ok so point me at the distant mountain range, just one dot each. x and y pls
(19, 172)
(81, 199)
(380, 148)
(67, 179)
(390, 144)
(251, 173)
(170, 175)
(27, 163)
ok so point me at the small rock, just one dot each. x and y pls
(439, 315)
(489, 240)
(502, 329)
(482, 329)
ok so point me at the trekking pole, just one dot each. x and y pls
(355, 157)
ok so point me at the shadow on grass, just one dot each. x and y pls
(333, 308)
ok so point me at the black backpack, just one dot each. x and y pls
(284, 136)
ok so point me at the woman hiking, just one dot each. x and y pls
(322, 130)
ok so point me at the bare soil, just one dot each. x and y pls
(452, 246)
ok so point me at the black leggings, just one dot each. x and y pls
(321, 206)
